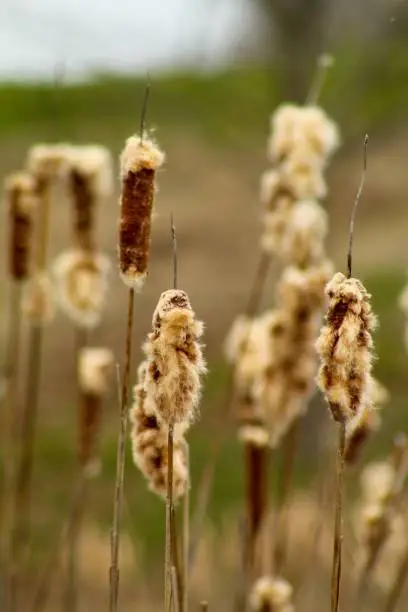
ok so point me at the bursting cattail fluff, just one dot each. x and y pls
(20, 191)
(149, 443)
(94, 365)
(48, 162)
(176, 362)
(345, 347)
(271, 594)
(140, 160)
(81, 283)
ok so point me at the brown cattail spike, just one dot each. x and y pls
(21, 194)
(139, 162)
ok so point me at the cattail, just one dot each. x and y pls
(48, 162)
(21, 195)
(303, 241)
(149, 443)
(271, 594)
(346, 348)
(38, 302)
(90, 180)
(286, 381)
(82, 285)
(307, 128)
(94, 365)
(365, 423)
(140, 160)
(175, 359)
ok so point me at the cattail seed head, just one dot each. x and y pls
(20, 191)
(140, 160)
(90, 179)
(38, 300)
(271, 594)
(48, 162)
(94, 365)
(82, 285)
(149, 443)
(175, 358)
(345, 347)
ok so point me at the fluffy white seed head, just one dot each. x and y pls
(176, 362)
(139, 154)
(93, 162)
(49, 161)
(94, 365)
(81, 281)
(273, 594)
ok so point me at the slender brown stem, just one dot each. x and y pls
(338, 522)
(72, 589)
(285, 485)
(398, 584)
(120, 464)
(9, 427)
(256, 463)
(168, 553)
(258, 284)
(186, 539)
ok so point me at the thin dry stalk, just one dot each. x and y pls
(256, 464)
(120, 463)
(168, 552)
(9, 420)
(186, 539)
(397, 586)
(338, 521)
(285, 476)
(71, 591)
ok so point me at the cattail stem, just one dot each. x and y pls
(186, 541)
(120, 463)
(169, 554)
(74, 532)
(338, 521)
(256, 463)
(285, 485)
(9, 424)
(204, 606)
(398, 584)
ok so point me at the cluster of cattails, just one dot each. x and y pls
(345, 347)
(168, 391)
(284, 362)
(270, 594)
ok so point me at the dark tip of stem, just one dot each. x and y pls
(144, 108)
(174, 243)
(356, 203)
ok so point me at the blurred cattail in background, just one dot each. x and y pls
(21, 202)
(271, 594)
(94, 365)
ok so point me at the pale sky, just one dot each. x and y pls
(35, 35)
